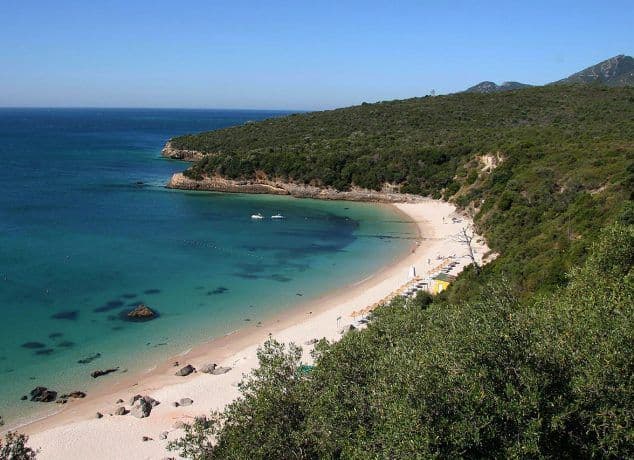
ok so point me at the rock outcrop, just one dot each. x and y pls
(100, 372)
(141, 313)
(169, 151)
(389, 194)
(43, 394)
(184, 371)
(141, 408)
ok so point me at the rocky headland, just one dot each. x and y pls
(221, 184)
(177, 154)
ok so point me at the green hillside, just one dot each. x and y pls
(566, 156)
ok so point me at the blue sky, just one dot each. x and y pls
(291, 54)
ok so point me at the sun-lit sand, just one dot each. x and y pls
(75, 433)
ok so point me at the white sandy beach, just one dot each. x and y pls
(75, 433)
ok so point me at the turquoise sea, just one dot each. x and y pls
(87, 231)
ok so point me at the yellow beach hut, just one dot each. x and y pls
(440, 282)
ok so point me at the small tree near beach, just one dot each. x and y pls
(13, 447)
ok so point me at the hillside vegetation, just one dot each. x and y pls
(562, 158)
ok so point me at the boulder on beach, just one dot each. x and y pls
(163, 435)
(186, 402)
(184, 371)
(120, 411)
(1, 421)
(221, 370)
(141, 313)
(98, 415)
(208, 368)
(141, 408)
(43, 394)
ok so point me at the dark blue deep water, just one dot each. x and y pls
(87, 231)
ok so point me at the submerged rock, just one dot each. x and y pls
(43, 394)
(89, 359)
(184, 371)
(141, 313)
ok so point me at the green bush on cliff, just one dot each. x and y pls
(547, 376)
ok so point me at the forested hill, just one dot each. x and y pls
(541, 169)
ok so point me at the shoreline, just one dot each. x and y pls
(74, 432)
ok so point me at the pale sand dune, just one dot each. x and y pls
(75, 433)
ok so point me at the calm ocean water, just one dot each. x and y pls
(87, 231)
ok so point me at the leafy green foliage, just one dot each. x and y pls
(497, 377)
(14, 447)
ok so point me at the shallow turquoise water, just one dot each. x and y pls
(82, 241)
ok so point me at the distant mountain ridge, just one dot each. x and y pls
(487, 87)
(616, 71)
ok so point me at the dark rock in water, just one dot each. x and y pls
(208, 368)
(24, 398)
(71, 315)
(61, 400)
(33, 345)
(186, 402)
(73, 394)
(120, 411)
(66, 344)
(128, 295)
(46, 351)
(184, 371)
(219, 290)
(55, 335)
(43, 394)
(89, 359)
(141, 313)
(1, 421)
(152, 291)
(221, 370)
(99, 372)
(141, 408)
(98, 415)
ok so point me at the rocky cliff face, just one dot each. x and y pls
(176, 154)
(220, 184)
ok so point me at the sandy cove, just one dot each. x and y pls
(75, 432)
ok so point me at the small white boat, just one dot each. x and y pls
(277, 216)
(257, 216)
